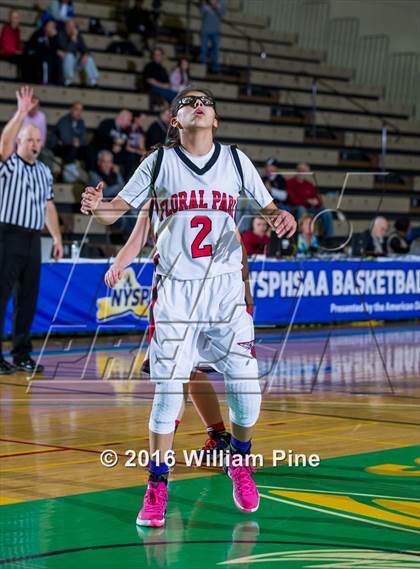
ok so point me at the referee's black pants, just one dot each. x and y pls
(20, 269)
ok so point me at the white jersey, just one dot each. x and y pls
(195, 200)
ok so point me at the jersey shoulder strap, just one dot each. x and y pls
(158, 164)
(155, 174)
(235, 156)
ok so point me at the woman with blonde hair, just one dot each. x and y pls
(307, 241)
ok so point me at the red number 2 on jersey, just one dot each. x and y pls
(198, 250)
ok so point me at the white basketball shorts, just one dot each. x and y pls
(198, 323)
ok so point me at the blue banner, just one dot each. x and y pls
(73, 296)
(335, 291)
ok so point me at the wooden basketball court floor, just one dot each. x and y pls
(348, 394)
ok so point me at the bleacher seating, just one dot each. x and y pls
(275, 120)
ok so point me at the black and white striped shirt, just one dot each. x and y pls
(24, 191)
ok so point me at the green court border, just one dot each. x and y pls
(204, 529)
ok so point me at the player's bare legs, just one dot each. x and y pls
(206, 403)
(204, 398)
(161, 443)
(243, 434)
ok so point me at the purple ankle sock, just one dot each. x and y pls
(156, 470)
(240, 446)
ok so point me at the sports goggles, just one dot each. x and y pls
(191, 99)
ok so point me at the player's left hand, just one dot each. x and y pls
(57, 252)
(284, 224)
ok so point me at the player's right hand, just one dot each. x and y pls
(91, 198)
(113, 275)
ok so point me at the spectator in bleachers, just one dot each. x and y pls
(61, 11)
(42, 62)
(376, 237)
(212, 12)
(37, 118)
(275, 183)
(107, 172)
(11, 44)
(140, 25)
(413, 232)
(156, 78)
(307, 241)
(415, 247)
(180, 76)
(257, 239)
(158, 130)
(137, 138)
(304, 196)
(68, 141)
(112, 135)
(397, 241)
(245, 212)
(75, 55)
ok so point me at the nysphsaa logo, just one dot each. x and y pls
(128, 297)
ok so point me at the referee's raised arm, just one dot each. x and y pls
(25, 103)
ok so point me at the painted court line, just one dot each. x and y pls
(56, 448)
(398, 444)
(328, 402)
(312, 432)
(340, 515)
(29, 452)
(338, 492)
(185, 542)
(47, 465)
(5, 501)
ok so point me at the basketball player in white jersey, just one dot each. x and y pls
(195, 185)
(199, 388)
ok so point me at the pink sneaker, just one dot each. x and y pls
(245, 493)
(153, 511)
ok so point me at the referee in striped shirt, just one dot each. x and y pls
(26, 205)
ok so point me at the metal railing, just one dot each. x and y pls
(313, 18)
(283, 15)
(368, 55)
(417, 95)
(400, 80)
(371, 60)
(342, 38)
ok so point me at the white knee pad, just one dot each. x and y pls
(167, 402)
(244, 400)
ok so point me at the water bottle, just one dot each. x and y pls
(75, 250)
